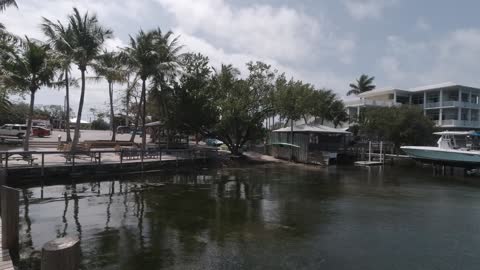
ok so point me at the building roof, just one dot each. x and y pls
(433, 86)
(313, 129)
(377, 91)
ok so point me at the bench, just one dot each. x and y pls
(82, 151)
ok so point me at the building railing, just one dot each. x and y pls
(457, 104)
(458, 123)
(370, 102)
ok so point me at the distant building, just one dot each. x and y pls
(313, 144)
(449, 105)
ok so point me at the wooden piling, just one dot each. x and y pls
(10, 204)
(61, 254)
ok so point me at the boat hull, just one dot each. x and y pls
(451, 157)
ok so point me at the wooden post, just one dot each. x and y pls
(61, 254)
(99, 157)
(10, 215)
(43, 164)
(142, 151)
(121, 158)
(160, 154)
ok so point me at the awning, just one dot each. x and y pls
(286, 144)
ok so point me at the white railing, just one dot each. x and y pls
(458, 123)
(370, 102)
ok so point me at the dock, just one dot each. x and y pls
(5, 260)
(368, 163)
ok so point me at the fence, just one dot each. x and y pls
(45, 159)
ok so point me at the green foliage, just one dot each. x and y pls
(295, 100)
(363, 84)
(241, 108)
(400, 125)
(100, 124)
(28, 69)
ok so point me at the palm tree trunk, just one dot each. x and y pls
(144, 115)
(76, 135)
(26, 141)
(112, 116)
(67, 115)
(137, 119)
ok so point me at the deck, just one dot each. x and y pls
(5, 260)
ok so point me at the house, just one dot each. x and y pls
(313, 144)
(449, 105)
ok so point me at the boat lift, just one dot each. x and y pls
(371, 162)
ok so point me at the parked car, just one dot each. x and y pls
(123, 130)
(213, 142)
(139, 132)
(40, 131)
(13, 130)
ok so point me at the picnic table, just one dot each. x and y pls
(21, 157)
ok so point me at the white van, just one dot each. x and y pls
(18, 131)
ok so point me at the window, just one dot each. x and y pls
(464, 97)
(474, 115)
(450, 114)
(464, 114)
(452, 96)
(474, 99)
(433, 98)
(417, 99)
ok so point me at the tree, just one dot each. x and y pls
(320, 104)
(6, 3)
(240, 108)
(192, 106)
(400, 125)
(337, 113)
(363, 84)
(87, 38)
(110, 67)
(60, 38)
(150, 54)
(28, 70)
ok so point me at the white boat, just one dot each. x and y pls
(448, 151)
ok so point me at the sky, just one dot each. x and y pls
(329, 43)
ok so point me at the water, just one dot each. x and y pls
(263, 217)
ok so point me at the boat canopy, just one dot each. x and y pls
(459, 133)
(287, 144)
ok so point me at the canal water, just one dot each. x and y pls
(261, 217)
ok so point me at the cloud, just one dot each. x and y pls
(281, 32)
(423, 25)
(451, 57)
(367, 9)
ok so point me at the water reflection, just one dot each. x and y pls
(244, 218)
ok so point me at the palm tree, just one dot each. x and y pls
(87, 38)
(6, 3)
(363, 84)
(60, 37)
(150, 54)
(110, 67)
(168, 67)
(32, 67)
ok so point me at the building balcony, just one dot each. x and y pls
(458, 123)
(369, 102)
(452, 104)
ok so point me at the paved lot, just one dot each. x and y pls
(88, 135)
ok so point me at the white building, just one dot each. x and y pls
(449, 105)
